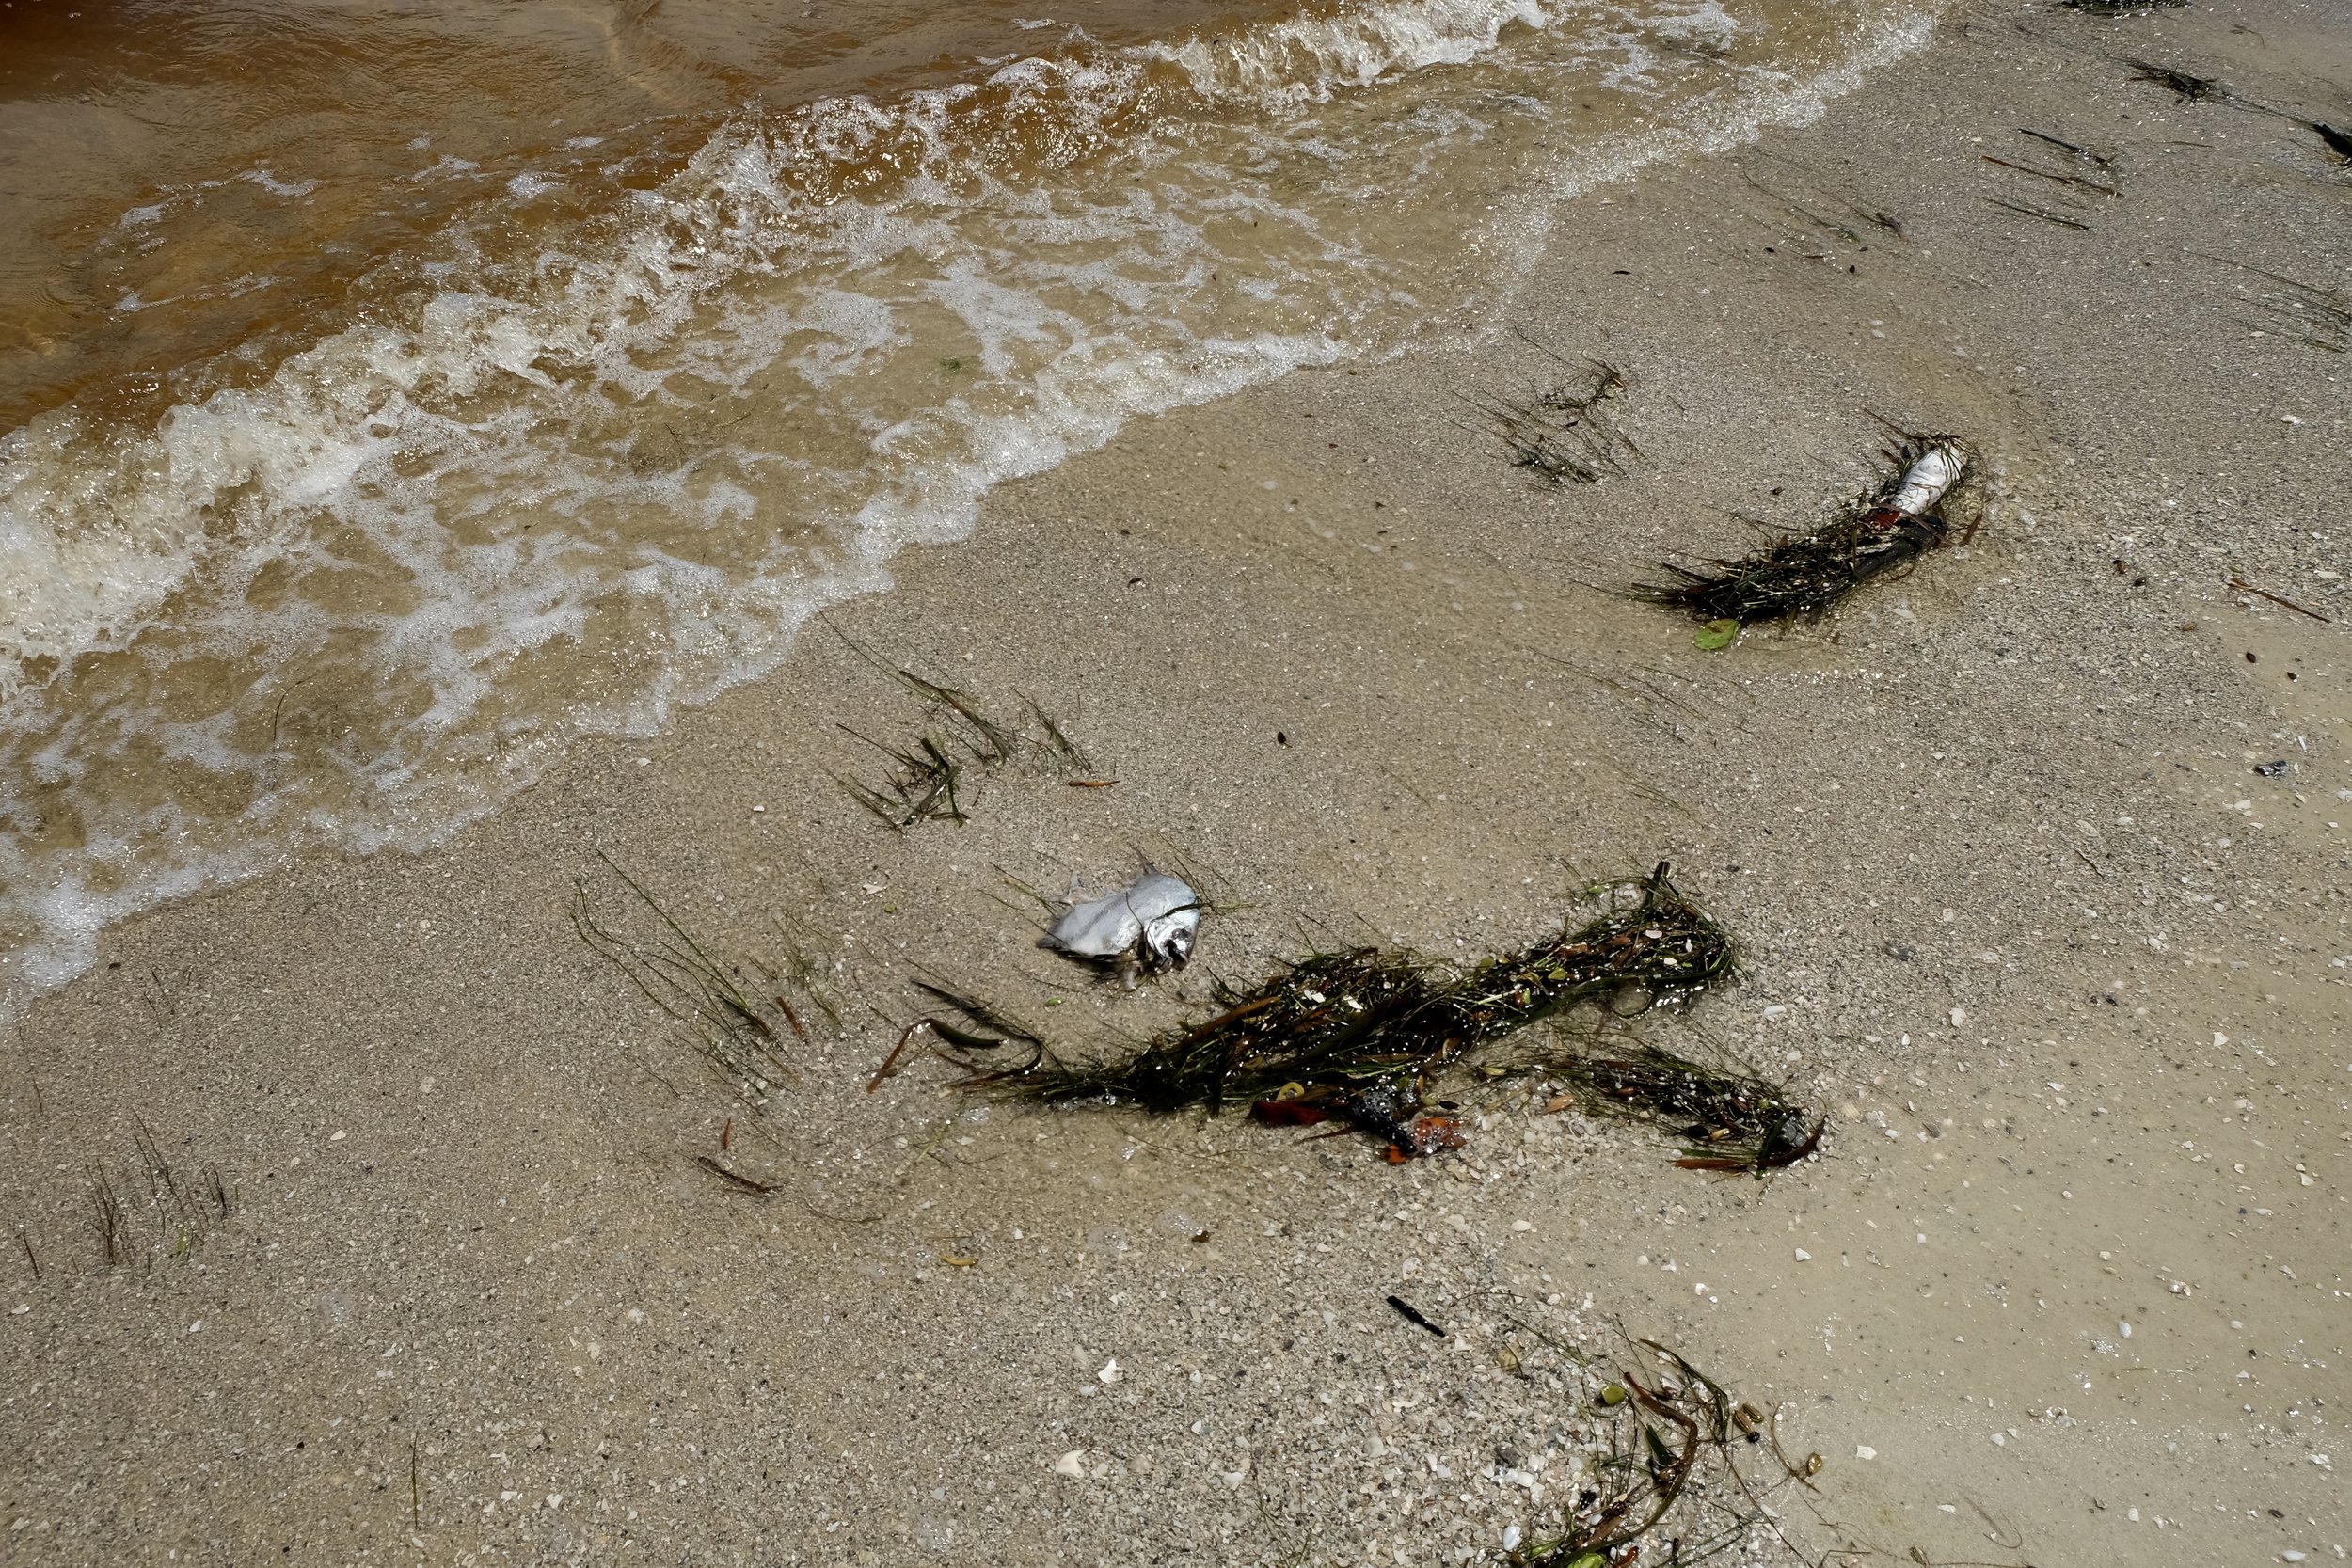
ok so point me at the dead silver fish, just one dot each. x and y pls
(1149, 925)
(1926, 481)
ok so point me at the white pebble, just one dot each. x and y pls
(1511, 1538)
(1110, 1372)
(1074, 1464)
(1864, 1450)
(2123, 1328)
(1803, 1256)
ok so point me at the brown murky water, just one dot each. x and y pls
(392, 394)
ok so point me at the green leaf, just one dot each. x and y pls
(1715, 635)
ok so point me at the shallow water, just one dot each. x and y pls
(394, 395)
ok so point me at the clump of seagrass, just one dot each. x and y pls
(1674, 1481)
(1564, 433)
(1890, 526)
(1656, 948)
(152, 1204)
(735, 1016)
(1355, 1037)
(2119, 7)
(1730, 1121)
(2188, 87)
(927, 773)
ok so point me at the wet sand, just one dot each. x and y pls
(2015, 909)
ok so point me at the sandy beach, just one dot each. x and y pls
(2035, 858)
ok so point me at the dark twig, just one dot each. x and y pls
(2037, 213)
(740, 1183)
(2101, 159)
(1410, 1315)
(2244, 587)
(2045, 174)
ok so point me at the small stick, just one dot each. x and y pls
(1414, 1318)
(792, 1018)
(2042, 136)
(2037, 213)
(1089, 784)
(890, 1063)
(2045, 174)
(2244, 587)
(416, 1495)
(26, 1241)
(740, 1183)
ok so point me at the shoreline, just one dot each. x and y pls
(1343, 657)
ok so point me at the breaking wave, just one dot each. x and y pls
(621, 426)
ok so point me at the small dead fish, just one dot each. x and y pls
(1149, 925)
(1925, 482)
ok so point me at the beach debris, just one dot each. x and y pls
(1730, 1121)
(1673, 1479)
(927, 773)
(1411, 1315)
(2082, 182)
(2244, 587)
(1716, 635)
(1824, 192)
(2043, 213)
(2184, 85)
(1805, 573)
(735, 1179)
(2191, 88)
(919, 787)
(1355, 1037)
(152, 1205)
(1562, 432)
(2119, 7)
(1149, 925)
(737, 1016)
(2098, 160)
(2310, 313)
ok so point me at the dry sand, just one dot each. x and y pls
(2067, 1284)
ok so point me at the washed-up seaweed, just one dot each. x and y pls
(927, 774)
(1891, 526)
(152, 1204)
(1661, 949)
(1674, 1481)
(2185, 85)
(1730, 1121)
(1563, 433)
(738, 1017)
(1356, 1037)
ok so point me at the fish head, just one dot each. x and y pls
(1168, 938)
